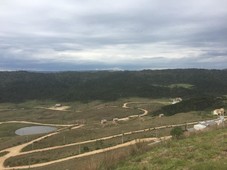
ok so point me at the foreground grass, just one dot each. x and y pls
(101, 161)
(206, 150)
(50, 155)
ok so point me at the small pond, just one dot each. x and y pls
(32, 130)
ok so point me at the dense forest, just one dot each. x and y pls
(204, 103)
(110, 85)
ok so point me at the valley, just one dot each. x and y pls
(88, 133)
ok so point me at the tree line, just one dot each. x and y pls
(19, 86)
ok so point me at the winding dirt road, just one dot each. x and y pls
(125, 106)
(133, 142)
(16, 150)
(103, 138)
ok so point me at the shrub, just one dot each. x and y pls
(177, 132)
(86, 149)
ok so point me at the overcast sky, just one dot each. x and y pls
(51, 35)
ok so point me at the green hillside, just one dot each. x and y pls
(105, 85)
(199, 152)
(203, 103)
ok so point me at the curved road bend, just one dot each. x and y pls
(16, 150)
(133, 142)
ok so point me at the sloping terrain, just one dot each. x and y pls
(202, 151)
(205, 103)
(106, 85)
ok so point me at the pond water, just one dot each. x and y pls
(32, 130)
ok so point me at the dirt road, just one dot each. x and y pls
(133, 142)
(13, 151)
(36, 123)
(125, 106)
(103, 138)
(16, 150)
(145, 112)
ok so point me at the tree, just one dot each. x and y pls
(176, 132)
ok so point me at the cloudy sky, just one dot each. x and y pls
(51, 35)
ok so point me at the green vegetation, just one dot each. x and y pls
(109, 86)
(94, 131)
(179, 85)
(93, 96)
(186, 86)
(102, 161)
(206, 103)
(38, 112)
(55, 154)
(3, 153)
(201, 151)
(8, 130)
(8, 138)
(177, 132)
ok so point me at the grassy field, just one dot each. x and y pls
(179, 85)
(201, 151)
(8, 138)
(94, 131)
(103, 161)
(93, 111)
(90, 115)
(50, 155)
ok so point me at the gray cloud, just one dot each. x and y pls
(127, 34)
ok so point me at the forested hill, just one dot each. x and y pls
(106, 85)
